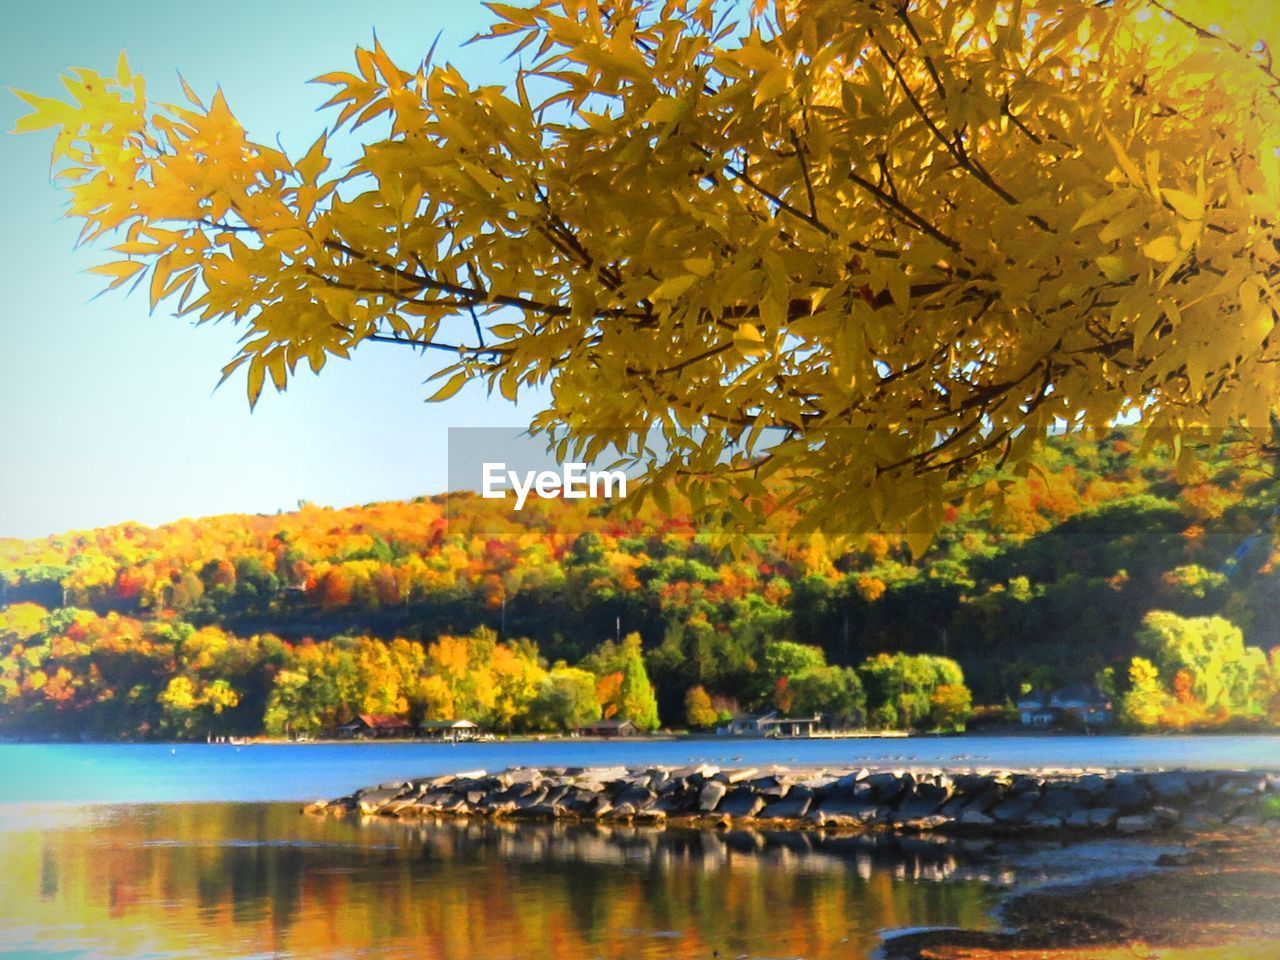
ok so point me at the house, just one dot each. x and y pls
(747, 724)
(790, 726)
(1080, 703)
(457, 731)
(1033, 709)
(770, 724)
(375, 726)
(609, 728)
(1084, 702)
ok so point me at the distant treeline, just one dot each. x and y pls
(1156, 584)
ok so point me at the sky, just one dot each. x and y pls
(107, 412)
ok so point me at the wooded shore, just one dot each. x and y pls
(1074, 801)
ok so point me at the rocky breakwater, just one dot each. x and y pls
(908, 801)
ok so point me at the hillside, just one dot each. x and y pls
(433, 608)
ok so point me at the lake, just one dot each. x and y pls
(185, 851)
(164, 773)
(257, 880)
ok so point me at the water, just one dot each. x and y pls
(151, 773)
(257, 880)
(95, 867)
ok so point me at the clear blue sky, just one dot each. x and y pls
(108, 413)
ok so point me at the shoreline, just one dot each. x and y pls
(1219, 897)
(669, 737)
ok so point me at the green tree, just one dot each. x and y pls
(835, 693)
(566, 700)
(638, 703)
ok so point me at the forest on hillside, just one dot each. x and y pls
(1153, 578)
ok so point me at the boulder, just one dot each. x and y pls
(637, 797)
(1169, 787)
(1102, 817)
(1136, 823)
(741, 802)
(887, 788)
(767, 787)
(710, 795)
(1127, 796)
(851, 809)
(1015, 809)
(975, 818)
(791, 807)
(1057, 801)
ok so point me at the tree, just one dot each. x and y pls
(566, 700)
(810, 242)
(951, 705)
(637, 702)
(699, 712)
(1145, 702)
(835, 693)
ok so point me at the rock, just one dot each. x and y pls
(1102, 817)
(377, 796)
(1169, 787)
(770, 787)
(737, 776)
(915, 809)
(1038, 820)
(1126, 796)
(531, 799)
(851, 809)
(701, 771)
(924, 824)
(676, 802)
(636, 797)
(1016, 808)
(1057, 801)
(851, 780)
(1090, 785)
(975, 818)
(710, 795)
(1079, 820)
(1024, 784)
(1136, 823)
(887, 788)
(792, 807)
(1166, 816)
(741, 802)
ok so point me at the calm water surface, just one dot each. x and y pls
(172, 852)
(258, 880)
(151, 773)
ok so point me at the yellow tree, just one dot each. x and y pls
(870, 246)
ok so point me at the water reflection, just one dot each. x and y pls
(261, 880)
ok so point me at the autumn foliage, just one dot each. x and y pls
(873, 248)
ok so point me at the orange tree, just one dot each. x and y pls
(869, 246)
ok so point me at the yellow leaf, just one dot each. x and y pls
(674, 287)
(1185, 204)
(1113, 268)
(748, 340)
(120, 271)
(257, 371)
(1162, 249)
(666, 110)
(452, 386)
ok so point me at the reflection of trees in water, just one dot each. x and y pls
(913, 858)
(249, 878)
